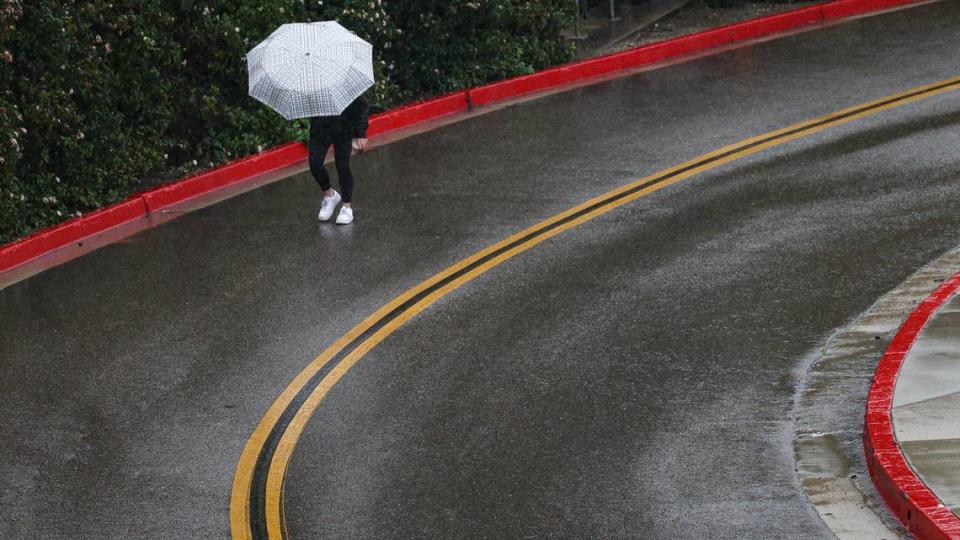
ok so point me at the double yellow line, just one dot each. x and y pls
(256, 503)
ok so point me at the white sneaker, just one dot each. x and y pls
(328, 205)
(346, 216)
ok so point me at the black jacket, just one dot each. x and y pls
(352, 121)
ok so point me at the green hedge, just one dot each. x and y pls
(98, 99)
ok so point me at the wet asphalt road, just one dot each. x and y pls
(634, 376)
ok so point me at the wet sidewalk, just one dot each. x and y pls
(600, 33)
(926, 405)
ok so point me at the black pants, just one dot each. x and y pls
(342, 147)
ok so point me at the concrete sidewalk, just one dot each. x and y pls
(599, 34)
(926, 405)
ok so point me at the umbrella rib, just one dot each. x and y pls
(294, 56)
(299, 94)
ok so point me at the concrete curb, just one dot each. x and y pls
(140, 206)
(906, 495)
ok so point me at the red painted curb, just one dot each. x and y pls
(70, 232)
(839, 9)
(683, 45)
(231, 173)
(416, 113)
(906, 495)
(650, 54)
(74, 231)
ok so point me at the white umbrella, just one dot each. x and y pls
(310, 69)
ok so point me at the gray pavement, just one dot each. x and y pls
(631, 377)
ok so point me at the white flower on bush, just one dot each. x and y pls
(49, 199)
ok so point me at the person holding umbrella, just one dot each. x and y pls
(318, 71)
(345, 132)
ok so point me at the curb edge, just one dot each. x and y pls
(139, 206)
(906, 495)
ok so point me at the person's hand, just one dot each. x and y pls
(360, 144)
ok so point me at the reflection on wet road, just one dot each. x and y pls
(633, 376)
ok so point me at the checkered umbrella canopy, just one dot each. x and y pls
(310, 69)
